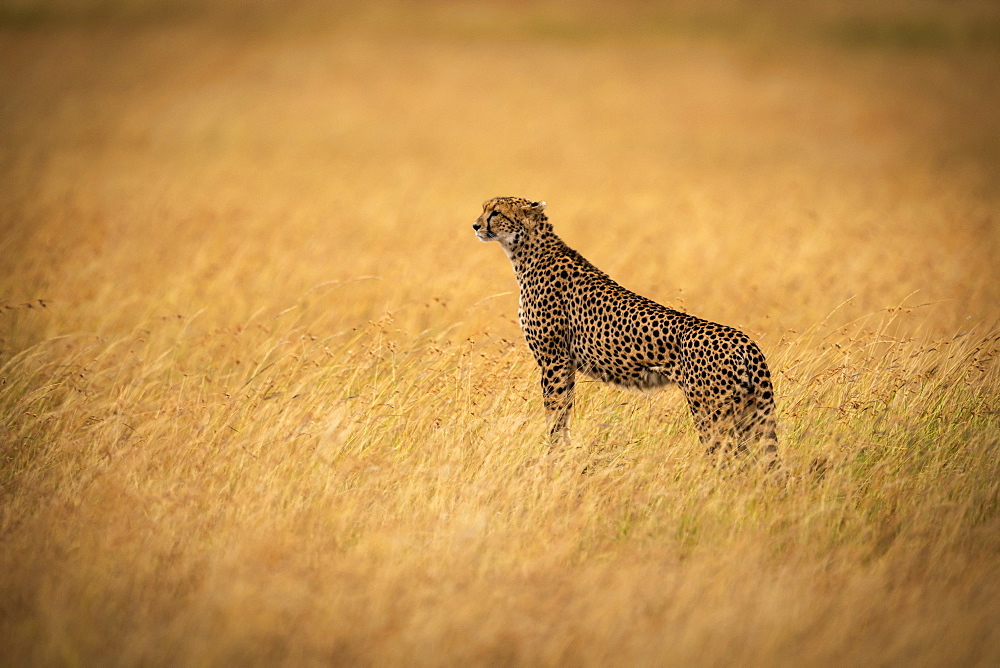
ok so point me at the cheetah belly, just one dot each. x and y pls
(624, 362)
(619, 337)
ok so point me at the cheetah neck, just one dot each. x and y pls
(535, 253)
(543, 253)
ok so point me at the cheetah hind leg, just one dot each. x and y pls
(756, 429)
(739, 429)
(558, 428)
(716, 431)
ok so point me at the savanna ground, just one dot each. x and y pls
(265, 400)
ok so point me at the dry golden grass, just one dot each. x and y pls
(263, 394)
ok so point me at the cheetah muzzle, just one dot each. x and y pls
(576, 318)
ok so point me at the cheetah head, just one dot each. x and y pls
(509, 220)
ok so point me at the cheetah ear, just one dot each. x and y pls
(534, 214)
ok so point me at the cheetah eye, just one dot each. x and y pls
(490, 217)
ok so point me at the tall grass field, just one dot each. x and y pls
(263, 395)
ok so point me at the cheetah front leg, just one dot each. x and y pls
(558, 381)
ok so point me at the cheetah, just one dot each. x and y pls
(576, 318)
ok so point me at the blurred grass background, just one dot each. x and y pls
(264, 396)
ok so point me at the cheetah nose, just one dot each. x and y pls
(476, 226)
